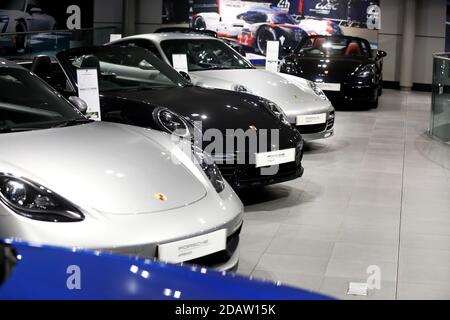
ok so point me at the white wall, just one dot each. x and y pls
(108, 13)
(430, 36)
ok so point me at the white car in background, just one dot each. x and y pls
(214, 64)
(21, 16)
(320, 27)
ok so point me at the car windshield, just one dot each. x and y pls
(282, 18)
(27, 103)
(333, 46)
(205, 54)
(12, 5)
(124, 68)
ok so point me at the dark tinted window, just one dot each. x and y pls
(254, 17)
(146, 44)
(124, 67)
(205, 54)
(26, 101)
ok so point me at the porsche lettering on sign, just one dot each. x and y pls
(193, 248)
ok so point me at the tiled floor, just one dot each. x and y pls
(376, 194)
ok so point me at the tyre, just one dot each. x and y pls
(199, 23)
(374, 105)
(21, 41)
(264, 34)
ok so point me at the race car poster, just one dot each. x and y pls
(251, 24)
(33, 26)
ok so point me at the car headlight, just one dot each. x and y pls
(314, 87)
(276, 110)
(172, 123)
(210, 168)
(36, 202)
(241, 88)
(366, 71)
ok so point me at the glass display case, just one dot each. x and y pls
(440, 109)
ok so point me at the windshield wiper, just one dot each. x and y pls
(73, 122)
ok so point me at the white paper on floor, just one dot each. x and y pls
(357, 289)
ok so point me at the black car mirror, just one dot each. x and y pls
(185, 75)
(79, 103)
(381, 54)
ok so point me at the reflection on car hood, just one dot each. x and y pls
(333, 67)
(218, 109)
(108, 167)
(292, 94)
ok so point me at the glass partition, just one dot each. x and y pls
(29, 44)
(440, 111)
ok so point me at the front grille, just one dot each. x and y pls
(313, 128)
(331, 119)
(242, 175)
(221, 257)
(318, 128)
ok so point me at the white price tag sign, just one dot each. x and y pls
(180, 62)
(272, 56)
(311, 119)
(275, 158)
(114, 37)
(88, 91)
(193, 248)
(329, 86)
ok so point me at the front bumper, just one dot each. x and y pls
(318, 131)
(248, 176)
(139, 235)
(351, 93)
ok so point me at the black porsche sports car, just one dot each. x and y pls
(137, 88)
(345, 68)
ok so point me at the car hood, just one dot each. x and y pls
(292, 94)
(217, 109)
(335, 68)
(107, 167)
(111, 277)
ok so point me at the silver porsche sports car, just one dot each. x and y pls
(212, 63)
(69, 181)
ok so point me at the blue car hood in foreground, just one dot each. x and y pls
(48, 273)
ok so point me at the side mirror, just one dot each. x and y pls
(79, 103)
(185, 75)
(381, 54)
(35, 10)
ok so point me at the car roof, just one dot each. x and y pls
(158, 37)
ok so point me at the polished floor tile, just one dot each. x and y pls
(376, 195)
